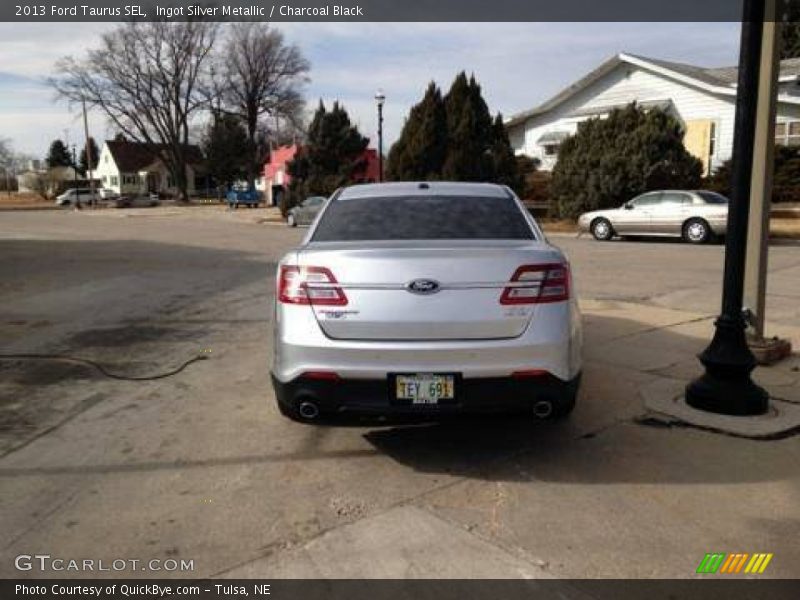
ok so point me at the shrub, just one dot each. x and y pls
(610, 160)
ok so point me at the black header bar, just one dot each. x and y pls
(373, 10)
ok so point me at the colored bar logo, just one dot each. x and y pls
(719, 562)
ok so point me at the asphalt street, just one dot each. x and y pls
(200, 465)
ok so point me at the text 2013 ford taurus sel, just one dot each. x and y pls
(425, 298)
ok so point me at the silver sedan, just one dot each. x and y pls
(425, 298)
(696, 216)
(305, 212)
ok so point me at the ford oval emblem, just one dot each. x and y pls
(423, 286)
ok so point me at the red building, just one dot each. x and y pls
(277, 178)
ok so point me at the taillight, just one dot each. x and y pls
(537, 284)
(309, 285)
(530, 374)
(322, 375)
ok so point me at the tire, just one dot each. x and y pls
(602, 230)
(290, 220)
(696, 231)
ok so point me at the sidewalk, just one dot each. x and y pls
(610, 493)
(261, 215)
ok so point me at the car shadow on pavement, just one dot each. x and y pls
(607, 439)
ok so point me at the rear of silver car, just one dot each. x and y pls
(425, 298)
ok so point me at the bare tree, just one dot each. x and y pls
(146, 77)
(5, 152)
(260, 75)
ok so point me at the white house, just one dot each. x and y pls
(134, 168)
(702, 99)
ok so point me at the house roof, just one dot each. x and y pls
(721, 80)
(131, 157)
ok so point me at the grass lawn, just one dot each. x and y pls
(780, 227)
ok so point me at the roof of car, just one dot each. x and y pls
(424, 188)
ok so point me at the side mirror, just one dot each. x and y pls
(627, 206)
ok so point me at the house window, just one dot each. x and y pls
(114, 180)
(170, 181)
(787, 133)
(105, 179)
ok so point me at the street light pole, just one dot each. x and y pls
(380, 98)
(89, 156)
(75, 178)
(726, 386)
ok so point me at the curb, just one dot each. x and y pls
(665, 399)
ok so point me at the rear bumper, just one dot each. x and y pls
(552, 343)
(374, 396)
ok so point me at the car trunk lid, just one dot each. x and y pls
(432, 290)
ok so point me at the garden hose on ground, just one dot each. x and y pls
(203, 355)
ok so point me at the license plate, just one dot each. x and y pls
(425, 388)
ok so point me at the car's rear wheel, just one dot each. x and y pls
(602, 229)
(696, 231)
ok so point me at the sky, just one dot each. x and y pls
(519, 65)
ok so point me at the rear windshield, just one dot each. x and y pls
(713, 197)
(422, 218)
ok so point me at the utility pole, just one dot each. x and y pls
(726, 387)
(89, 157)
(75, 179)
(765, 350)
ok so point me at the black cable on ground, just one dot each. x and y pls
(96, 365)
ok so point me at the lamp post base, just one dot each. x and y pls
(738, 397)
(726, 387)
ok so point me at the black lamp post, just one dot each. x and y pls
(380, 98)
(726, 386)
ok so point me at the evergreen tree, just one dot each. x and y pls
(454, 138)
(332, 156)
(469, 133)
(790, 31)
(609, 161)
(505, 167)
(226, 147)
(420, 151)
(59, 155)
(786, 176)
(83, 161)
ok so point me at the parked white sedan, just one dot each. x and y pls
(696, 216)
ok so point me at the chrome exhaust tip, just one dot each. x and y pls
(308, 410)
(543, 409)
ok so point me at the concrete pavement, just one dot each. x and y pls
(200, 466)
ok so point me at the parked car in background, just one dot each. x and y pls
(305, 212)
(425, 298)
(74, 196)
(107, 194)
(696, 216)
(242, 196)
